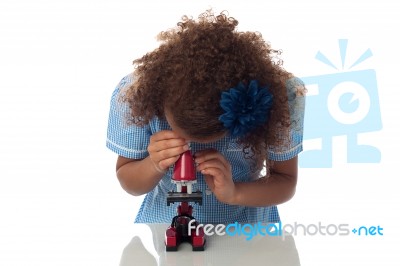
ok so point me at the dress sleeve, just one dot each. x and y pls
(123, 137)
(296, 99)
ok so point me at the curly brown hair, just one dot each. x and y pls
(195, 63)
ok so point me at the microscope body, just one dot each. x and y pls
(184, 177)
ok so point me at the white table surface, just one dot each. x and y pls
(77, 242)
(147, 248)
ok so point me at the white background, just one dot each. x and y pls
(60, 202)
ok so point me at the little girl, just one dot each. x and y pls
(224, 95)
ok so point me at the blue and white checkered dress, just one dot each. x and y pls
(131, 141)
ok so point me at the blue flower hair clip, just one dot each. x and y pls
(245, 108)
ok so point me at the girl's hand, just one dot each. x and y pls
(164, 149)
(217, 172)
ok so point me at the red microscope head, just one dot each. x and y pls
(184, 169)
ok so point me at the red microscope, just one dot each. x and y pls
(184, 177)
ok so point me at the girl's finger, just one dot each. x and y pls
(214, 163)
(166, 163)
(211, 154)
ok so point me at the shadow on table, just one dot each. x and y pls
(147, 248)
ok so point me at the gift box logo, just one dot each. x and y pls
(342, 104)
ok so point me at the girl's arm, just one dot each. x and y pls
(138, 177)
(278, 188)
